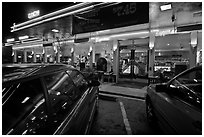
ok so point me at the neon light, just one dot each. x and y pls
(53, 18)
(50, 14)
(33, 14)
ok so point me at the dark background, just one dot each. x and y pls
(120, 15)
(17, 12)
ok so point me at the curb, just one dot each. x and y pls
(137, 97)
(107, 97)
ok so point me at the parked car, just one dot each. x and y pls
(177, 105)
(47, 99)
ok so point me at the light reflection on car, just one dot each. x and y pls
(47, 99)
(177, 104)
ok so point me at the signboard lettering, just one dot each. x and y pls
(33, 14)
(119, 15)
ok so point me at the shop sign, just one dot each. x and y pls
(33, 14)
(81, 40)
(189, 28)
(118, 15)
(47, 44)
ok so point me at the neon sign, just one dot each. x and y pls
(33, 14)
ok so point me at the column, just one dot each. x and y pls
(45, 55)
(58, 56)
(25, 56)
(14, 56)
(192, 56)
(116, 59)
(132, 59)
(72, 55)
(151, 54)
(93, 54)
(193, 49)
(91, 59)
(151, 62)
(34, 56)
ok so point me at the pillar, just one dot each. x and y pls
(192, 56)
(193, 49)
(72, 56)
(58, 56)
(45, 55)
(34, 56)
(151, 54)
(93, 54)
(14, 56)
(91, 59)
(25, 56)
(116, 59)
(72, 51)
(132, 59)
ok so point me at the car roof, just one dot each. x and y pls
(13, 72)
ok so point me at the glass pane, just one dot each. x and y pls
(62, 94)
(19, 100)
(78, 80)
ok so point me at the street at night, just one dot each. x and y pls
(101, 68)
(111, 116)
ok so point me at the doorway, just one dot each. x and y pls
(133, 61)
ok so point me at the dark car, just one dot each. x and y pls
(47, 99)
(177, 105)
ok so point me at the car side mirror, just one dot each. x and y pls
(161, 88)
(94, 83)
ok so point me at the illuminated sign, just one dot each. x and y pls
(114, 16)
(33, 14)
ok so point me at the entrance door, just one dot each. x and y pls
(133, 61)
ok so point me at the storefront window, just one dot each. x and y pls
(20, 56)
(29, 56)
(172, 54)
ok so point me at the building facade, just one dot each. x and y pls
(169, 40)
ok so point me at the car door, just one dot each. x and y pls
(181, 106)
(24, 108)
(84, 110)
(63, 99)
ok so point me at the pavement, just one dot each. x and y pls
(124, 89)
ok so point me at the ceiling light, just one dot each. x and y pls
(165, 7)
(30, 46)
(10, 40)
(55, 30)
(23, 37)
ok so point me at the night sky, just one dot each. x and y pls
(16, 12)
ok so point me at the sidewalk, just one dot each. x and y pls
(111, 88)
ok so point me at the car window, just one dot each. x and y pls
(19, 100)
(189, 87)
(79, 80)
(62, 94)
